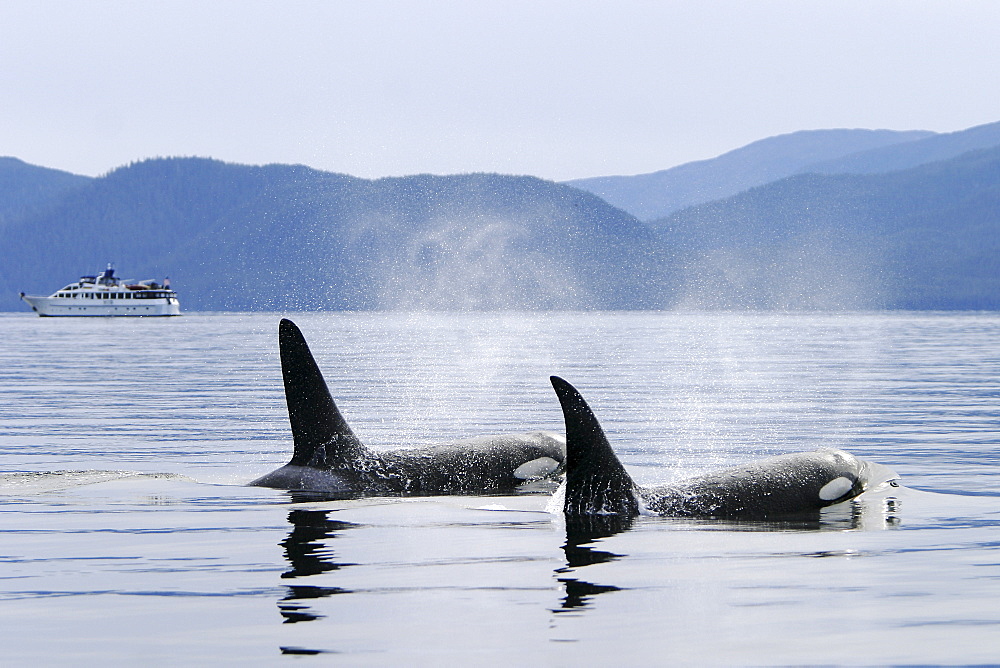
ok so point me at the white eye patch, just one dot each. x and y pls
(835, 489)
(536, 468)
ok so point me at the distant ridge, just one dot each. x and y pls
(650, 196)
(923, 238)
(905, 155)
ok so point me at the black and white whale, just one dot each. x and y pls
(329, 458)
(598, 485)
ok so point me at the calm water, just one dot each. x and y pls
(127, 535)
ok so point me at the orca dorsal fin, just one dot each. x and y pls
(596, 481)
(320, 433)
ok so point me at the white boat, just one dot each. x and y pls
(107, 295)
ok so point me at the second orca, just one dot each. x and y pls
(598, 485)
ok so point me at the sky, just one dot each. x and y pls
(559, 89)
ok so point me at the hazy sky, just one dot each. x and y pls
(558, 89)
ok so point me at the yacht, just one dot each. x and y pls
(108, 295)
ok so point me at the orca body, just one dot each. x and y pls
(329, 458)
(598, 485)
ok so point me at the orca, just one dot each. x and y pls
(597, 484)
(328, 458)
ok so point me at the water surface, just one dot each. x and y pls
(128, 535)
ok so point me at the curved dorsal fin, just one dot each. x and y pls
(596, 481)
(321, 436)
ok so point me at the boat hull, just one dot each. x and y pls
(103, 308)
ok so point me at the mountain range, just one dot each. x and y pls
(659, 194)
(837, 219)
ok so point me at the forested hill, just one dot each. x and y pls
(922, 238)
(235, 237)
(25, 188)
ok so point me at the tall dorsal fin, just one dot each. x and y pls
(596, 481)
(321, 435)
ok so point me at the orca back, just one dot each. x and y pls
(783, 485)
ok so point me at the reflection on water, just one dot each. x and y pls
(306, 551)
(304, 547)
(302, 651)
(579, 593)
(581, 534)
(875, 512)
